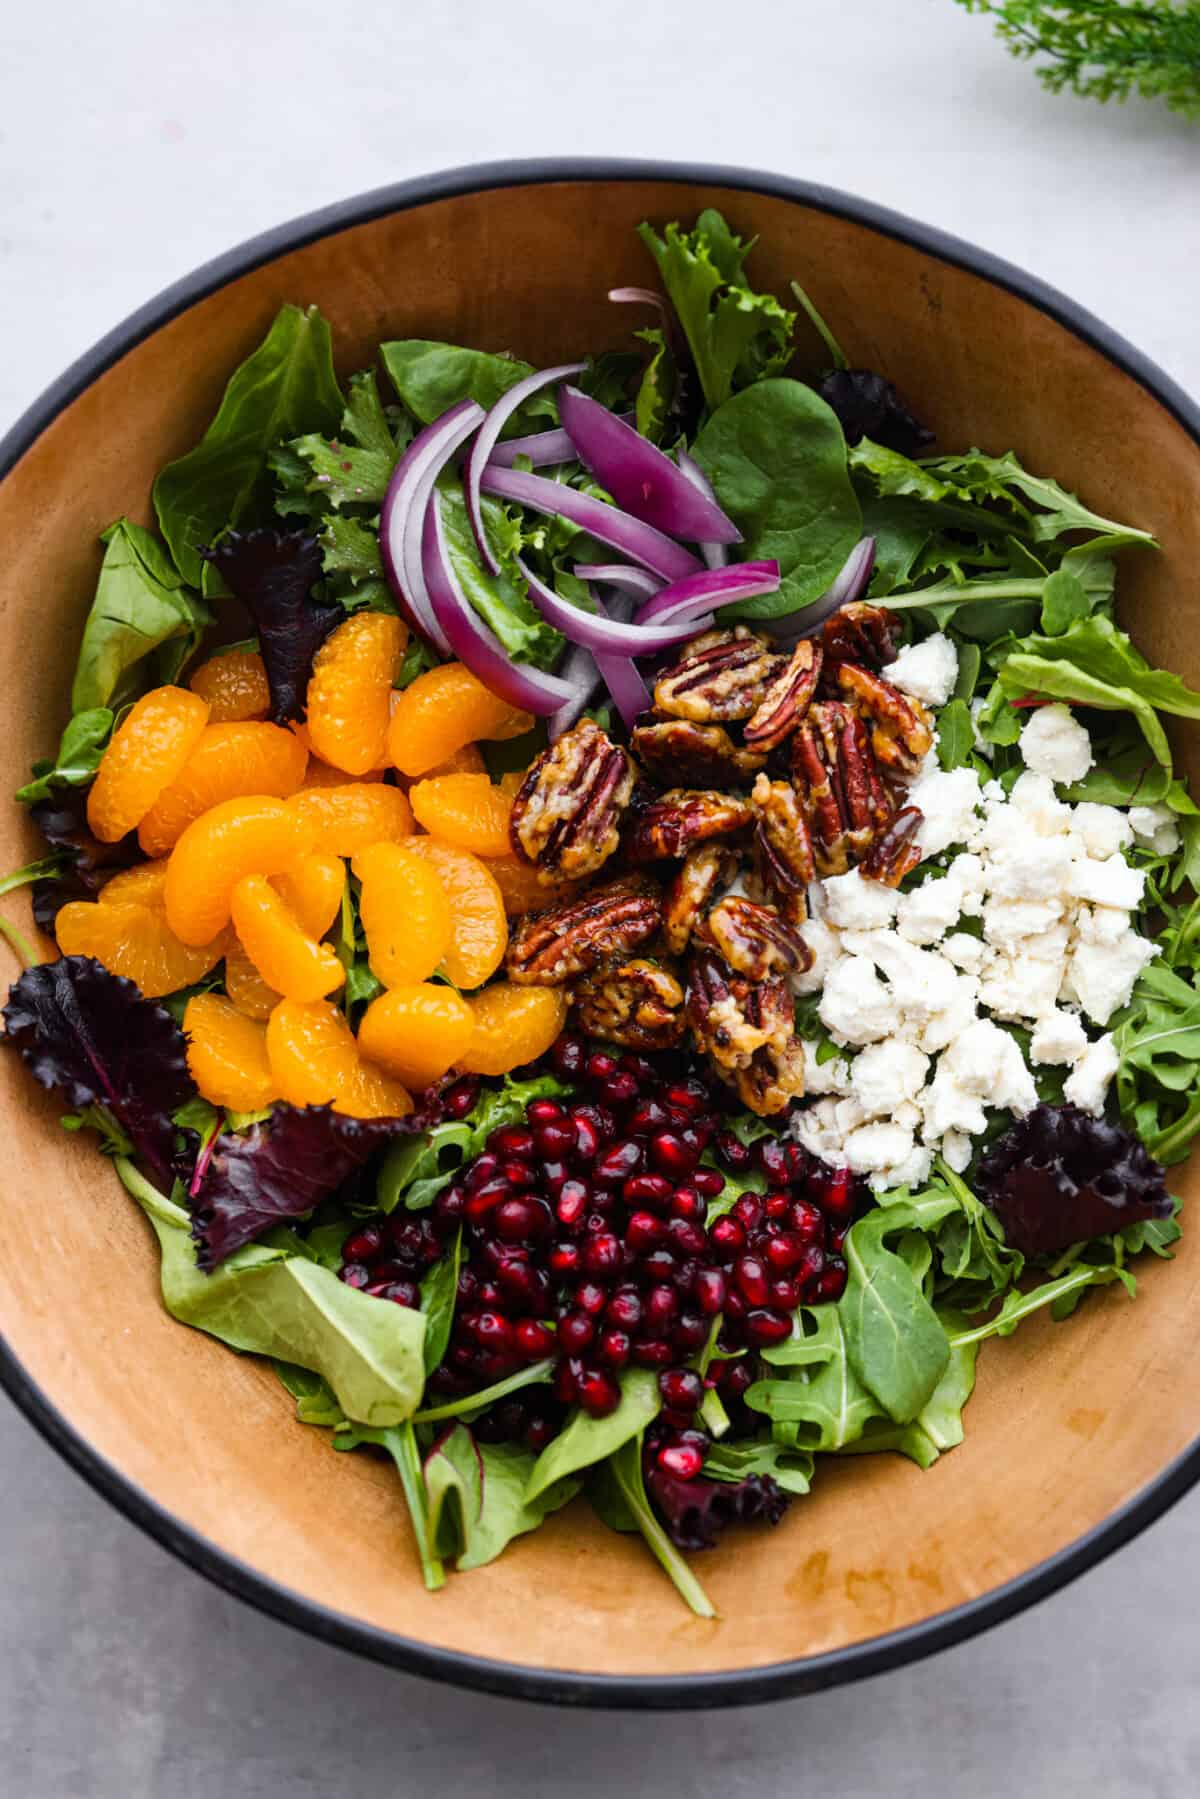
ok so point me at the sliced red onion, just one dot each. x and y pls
(849, 585)
(542, 449)
(638, 296)
(474, 642)
(485, 442)
(637, 581)
(580, 673)
(715, 554)
(640, 542)
(712, 587)
(637, 474)
(404, 507)
(595, 630)
(630, 694)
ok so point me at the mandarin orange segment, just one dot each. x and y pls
(245, 986)
(314, 1059)
(227, 762)
(405, 913)
(321, 774)
(343, 820)
(227, 1054)
(143, 885)
(465, 810)
(312, 891)
(135, 941)
(416, 1032)
(234, 685)
(467, 761)
(518, 881)
(286, 957)
(148, 750)
(239, 837)
(443, 710)
(478, 927)
(349, 692)
(513, 1025)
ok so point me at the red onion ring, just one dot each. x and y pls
(640, 542)
(639, 477)
(712, 587)
(715, 554)
(598, 632)
(485, 442)
(404, 507)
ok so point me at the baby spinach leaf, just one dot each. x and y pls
(586, 1440)
(269, 1302)
(1064, 599)
(618, 1495)
(400, 1442)
(79, 751)
(894, 1341)
(439, 1292)
(430, 377)
(286, 386)
(776, 457)
(141, 606)
(315, 1399)
(956, 734)
(477, 1503)
(938, 1426)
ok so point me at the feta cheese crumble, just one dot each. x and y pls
(926, 670)
(1054, 743)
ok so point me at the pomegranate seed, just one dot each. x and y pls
(624, 1309)
(538, 1434)
(591, 1297)
(615, 1347)
(600, 1065)
(806, 1220)
(735, 1305)
(672, 1155)
(639, 1067)
(553, 1176)
(662, 1308)
(736, 1155)
(517, 1173)
(569, 1056)
(597, 1218)
(777, 1205)
(602, 1253)
(390, 1271)
(690, 1331)
(709, 1182)
(618, 1089)
(646, 1117)
(599, 1393)
(448, 1206)
(565, 1259)
(532, 1340)
(831, 1282)
(837, 1195)
(644, 1231)
(574, 1198)
(681, 1460)
(709, 1290)
(566, 1384)
(459, 1099)
(647, 1190)
(587, 1139)
(838, 1237)
(738, 1379)
(658, 1265)
(748, 1210)
(681, 1388)
(512, 1140)
(480, 1202)
(482, 1169)
(468, 1286)
(653, 1352)
(811, 1265)
(687, 1203)
(799, 1163)
(520, 1284)
(686, 1273)
(784, 1294)
(765, 1328)
(772, 1158)
(555, 1138)
(727, 1237)
(600, 1118)
(618, 1162)
(688, 1096)
(543, 1111)
(515, 1219)
(364, 1245)
(575, 1332)
(686, 1237)
(493, 1332)
(354, 1274)
(783, 1253)
(751, 1276)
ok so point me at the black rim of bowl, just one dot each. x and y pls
(637, 1692)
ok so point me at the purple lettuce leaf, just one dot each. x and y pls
(277, 1171)
(1059, 1176)
(96, 1039)
(695, 1512)
(869, 406)
(62, 821)
(272, 573)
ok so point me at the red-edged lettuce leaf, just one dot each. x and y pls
(869, 406)
(277, 1171)
(695, 1512)
(272, 573)
(100, 1042)
(62, 821)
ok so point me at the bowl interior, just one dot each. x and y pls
(1067, 1425)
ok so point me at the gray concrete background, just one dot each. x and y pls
(138, 138)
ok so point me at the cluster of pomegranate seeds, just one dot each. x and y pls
(587, 1237)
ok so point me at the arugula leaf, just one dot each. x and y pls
(776, 457)
(417, 1168)
(824, 1405)
(476, 1494)
(79, 751)
(1018, 1305)
(534, 1374)
(1052, 510)
(955, 734)
(266, 1301)
(430, 377)
(1157, 1037)
(439, 1295)
(586, 1440)
(618, 1496)
(790, 1468)
(141, 607)
(736, 337)
(287, 385)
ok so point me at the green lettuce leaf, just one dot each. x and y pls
(430, 377)
(142, 614)
(587, 1440)
(80, 748)
(477, 1497)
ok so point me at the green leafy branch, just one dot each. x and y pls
(1107, 49)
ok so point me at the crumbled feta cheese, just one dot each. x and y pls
(1058, 1037)
(948, 1106)
(966, 952)
(920, 982)
(848, 1113)
(927, 670)
(1034, 798)
(1033, 868)
(970, 877)
(874, 1147)
(1007, 923)
(886, 1074)
(1018, 987)
(1156, 827)
(1101, 975)
(913, 1171)
(816, 1128)
(856, 1007)
(956, 1150)
(953, 1019)
(908, 1113)
(1111, 882)
(1103, 830)
(986, 1061)
(830, 1076)
(947, 799)
(1088, 1082)
(981, 743)
(1102, 924)
(1054, 743)
(855, 904)
(1048, 946)
(929, 911)
(823, 946)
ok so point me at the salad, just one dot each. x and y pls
(619, 921)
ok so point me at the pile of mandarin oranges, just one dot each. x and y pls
(251, 831)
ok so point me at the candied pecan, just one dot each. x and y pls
(774, 1078)
(637, 1003)
(862, 633)
(783, 852)
(839, 786)
(703, 871)
(722, 675)
(747, 1029)
(701, 755)
(567, 812)
(787, 698)
(901, 732)
(754, 940)
(895, 852)
(551, 947)
(672, 824)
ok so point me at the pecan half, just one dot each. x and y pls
(774, 1078)
(895, 853)
(901, 730)
(783, 852)
(787, 698)
(551, 947)
(637, 1003)
(838, 784)
(748, 1032)
(672, 824)
(862, 633)
(676, 751)
(567, 812)
(722, 675)
(754, 940)
(703, 871)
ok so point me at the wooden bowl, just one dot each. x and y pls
(1078, 1435)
